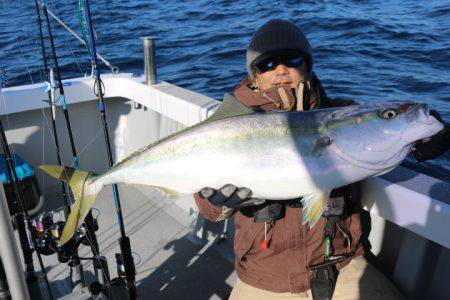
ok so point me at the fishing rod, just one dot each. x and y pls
(50, 91)
(99, 262)
(74, 264)
(23, 219)
(124, 240)
(89, 219)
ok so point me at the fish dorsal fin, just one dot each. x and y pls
(230, 107)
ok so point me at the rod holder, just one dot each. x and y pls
(149, 60)
(77, 275)
(102, 271)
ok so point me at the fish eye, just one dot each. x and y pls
(389, 114)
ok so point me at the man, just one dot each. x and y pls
(276, 256)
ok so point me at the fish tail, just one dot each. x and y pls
(84, 191)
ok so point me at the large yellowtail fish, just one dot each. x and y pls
(280, 155)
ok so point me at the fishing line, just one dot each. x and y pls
(80, 152)
(24, 60)
(21, 52)
(30, 35)
(138, 256)
(68, 199)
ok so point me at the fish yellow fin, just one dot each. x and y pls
(313, 207)
(172, 193)
(83, 190)
(230, 107)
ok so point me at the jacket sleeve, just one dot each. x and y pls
(210, 211)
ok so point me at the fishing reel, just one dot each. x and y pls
(42, 227)
(67, 251)
(48, 234)
(90, 223)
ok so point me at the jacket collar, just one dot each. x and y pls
(280, 97)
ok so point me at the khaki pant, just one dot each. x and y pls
(357, 280)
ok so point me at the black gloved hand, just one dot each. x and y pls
(230, 196)
(434, 146)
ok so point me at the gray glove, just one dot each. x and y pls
(230, 196)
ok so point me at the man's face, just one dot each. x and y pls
(280, 73)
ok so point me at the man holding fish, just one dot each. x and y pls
(278, 254)
(285, 168)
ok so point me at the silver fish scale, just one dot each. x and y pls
(299, 123)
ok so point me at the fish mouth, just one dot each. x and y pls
(423, 115)
(385, 164)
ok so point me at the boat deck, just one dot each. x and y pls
(171, 263)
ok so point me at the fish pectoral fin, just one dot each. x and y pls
(313, 207)
(173, 194)
(320, 144)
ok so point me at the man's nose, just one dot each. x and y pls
(281, 69)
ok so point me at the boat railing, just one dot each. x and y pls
(414, 206)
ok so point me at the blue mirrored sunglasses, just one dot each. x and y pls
(271, 63)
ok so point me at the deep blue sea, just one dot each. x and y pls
(369, 51)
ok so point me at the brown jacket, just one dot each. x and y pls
(292, 246)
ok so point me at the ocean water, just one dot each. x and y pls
(369, 51)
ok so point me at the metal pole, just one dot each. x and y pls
(4, 288)
(149, 60)
(9, 252)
